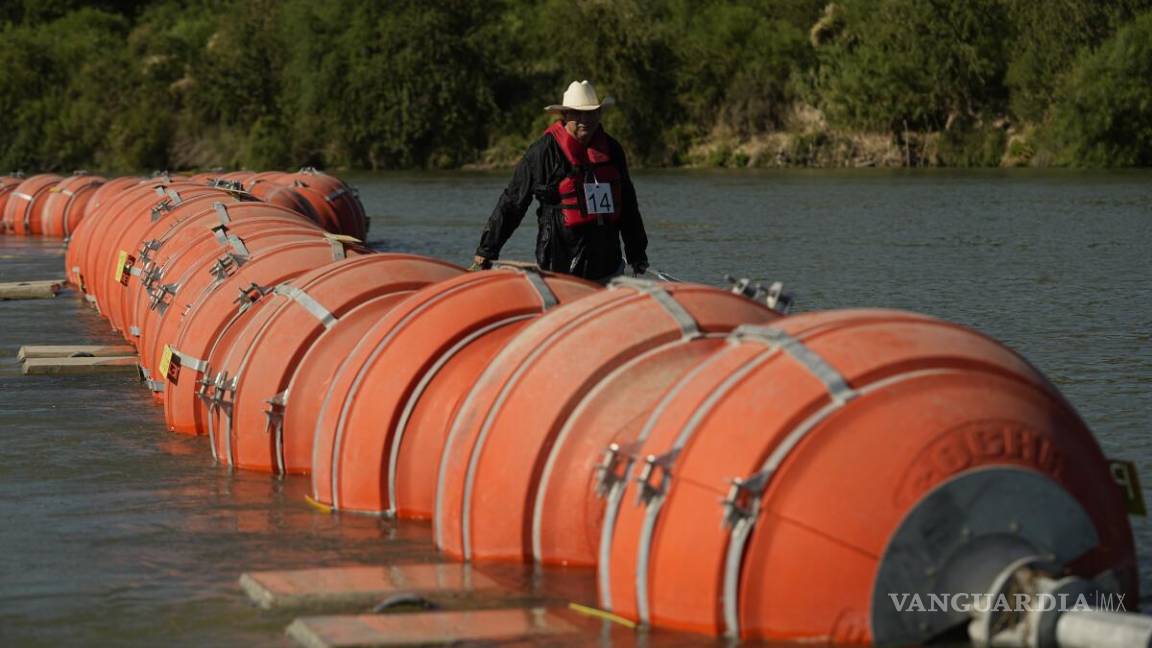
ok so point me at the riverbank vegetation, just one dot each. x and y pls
(121, 85)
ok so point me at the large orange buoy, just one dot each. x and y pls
(192, 232)
(218, 306)
(124, 243)
(86, 240)
(24, 201)
(189, 222)
(251, 378)
(518, 406)
(284, 196)
(278, 178)
(337, 204)
(195, 257)
(394, 394)
(8, 184)
(78, 234)
(566, 508)
(207, 261)
(313, 376)
(64, 208)
(813, 467)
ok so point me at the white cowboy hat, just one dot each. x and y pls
(580, 95)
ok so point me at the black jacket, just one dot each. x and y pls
(591, 251)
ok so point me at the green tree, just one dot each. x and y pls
(1104, 115)
(919, 62)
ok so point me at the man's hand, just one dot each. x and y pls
(639, 268)
(479, 263)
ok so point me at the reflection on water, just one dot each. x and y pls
(117, 532)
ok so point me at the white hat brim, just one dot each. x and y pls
(604, 103)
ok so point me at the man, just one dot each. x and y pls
(587, 204)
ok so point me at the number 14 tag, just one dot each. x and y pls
(598, 198)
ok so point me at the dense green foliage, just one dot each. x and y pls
(417, 83)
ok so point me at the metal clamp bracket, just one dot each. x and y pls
(774, 296)
(253, 293)
(157, 294)
(612, 469)
(741, 501)
(275, 412)
(655, 466)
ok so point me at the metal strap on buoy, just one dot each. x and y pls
(418, 392)
(331, 197)
(307, 302)
(482, 437)
(652, 496)
(27, 211)
(222, 213)
(275, 416)
(742, 504)
(535, 277)
(657, 291)
(192, 362)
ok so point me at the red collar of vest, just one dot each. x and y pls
(595, 151)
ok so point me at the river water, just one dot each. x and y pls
(115, 532)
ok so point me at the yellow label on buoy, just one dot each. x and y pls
(120, 262)
(1125, 475)
(166, 360)
(343, 238)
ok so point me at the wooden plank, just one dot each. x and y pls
(429, 628)
(74, 350)
(79, 366)
(364, 585)
(31, 289)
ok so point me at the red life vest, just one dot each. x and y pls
(591, 164)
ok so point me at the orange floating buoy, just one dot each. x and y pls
(189, 257)
(250, 379)
(202, 256)
(64, 207)
(123, 244)
(566, 508)
(8, 184)
(79, 234)
(314, 374)
(94, 228)
(379, 427)
(517, 408)
(238, 177)
(284, 196)
(810, 468)
(186, 224)
(219, 305)
(110, 190)
(278, 178)
(337, 204)
(25, 200)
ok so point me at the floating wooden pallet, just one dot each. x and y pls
(78, 366)
(449, 585)
(46, 289)
(75, 351)
(430, 628)
(351, 586)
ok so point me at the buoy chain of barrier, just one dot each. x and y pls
(715, 457)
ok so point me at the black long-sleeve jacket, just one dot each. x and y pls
(591, 251)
